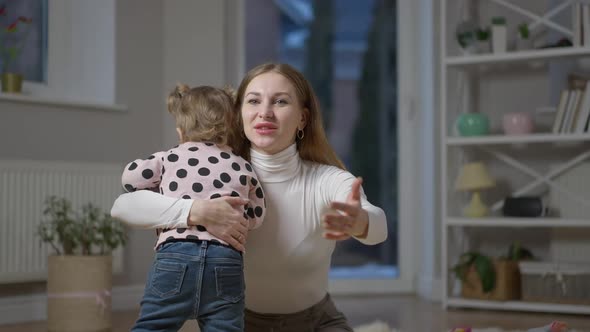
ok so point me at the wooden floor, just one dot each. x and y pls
(406, 313)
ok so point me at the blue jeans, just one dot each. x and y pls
(194, 280)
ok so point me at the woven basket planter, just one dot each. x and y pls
(78, 293)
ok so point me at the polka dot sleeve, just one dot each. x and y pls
(256, 208)
(143, 173)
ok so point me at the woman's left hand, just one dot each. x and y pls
(352, 219)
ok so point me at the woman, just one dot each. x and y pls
(311, 201)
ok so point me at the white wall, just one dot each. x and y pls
(34, 132)
(200, 47)
(157, 44)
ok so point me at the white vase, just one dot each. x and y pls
(499, 38)
(483, 46)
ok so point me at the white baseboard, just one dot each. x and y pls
(430, 288)
(27, 308)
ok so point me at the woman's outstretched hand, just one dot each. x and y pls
(222, 217)
(351, 219)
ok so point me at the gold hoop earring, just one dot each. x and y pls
(300, 134)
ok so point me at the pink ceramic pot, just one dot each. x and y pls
(518, 123)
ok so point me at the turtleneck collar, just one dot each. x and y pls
(277, 167)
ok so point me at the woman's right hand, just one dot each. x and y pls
(223, 217)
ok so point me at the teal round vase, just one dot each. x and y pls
(473, 124)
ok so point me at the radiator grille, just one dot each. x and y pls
(24, 185)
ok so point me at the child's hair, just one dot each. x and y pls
(202, 113)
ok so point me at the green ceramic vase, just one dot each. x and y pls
(473, 124)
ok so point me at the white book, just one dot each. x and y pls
(586, 24)
(576, 111)
(561, 107)
(572, 101)
(577, 24)
(583, 112)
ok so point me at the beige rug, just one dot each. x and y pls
(379, 326)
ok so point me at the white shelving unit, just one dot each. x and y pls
(524, 139)
(515, 57)
(503, 150)
(516, 222)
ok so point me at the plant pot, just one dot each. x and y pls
(523, 44)
(484, 47)
(78, 293)
(12, 82)
(507, 284)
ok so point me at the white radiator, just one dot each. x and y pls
(24, 185)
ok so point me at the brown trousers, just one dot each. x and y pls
(321, 317)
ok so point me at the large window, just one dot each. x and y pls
(23, 32)
(347, 50)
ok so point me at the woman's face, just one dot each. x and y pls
(271, 113)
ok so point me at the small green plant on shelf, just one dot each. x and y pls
(516, 252)
(483, 34)
(89, 232)
(484, 266)
(524, 31)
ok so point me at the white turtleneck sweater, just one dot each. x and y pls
(287, 260)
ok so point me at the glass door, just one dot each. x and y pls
(350, 51)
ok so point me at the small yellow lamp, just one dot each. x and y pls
(474, 177)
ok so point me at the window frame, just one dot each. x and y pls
(80, 68)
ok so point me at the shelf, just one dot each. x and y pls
(60, 102)
(513, 139)
(516, 222)
(513, 57)
(520, 305)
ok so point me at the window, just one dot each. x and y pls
(79, 52)
(29, 39)
(347, 49)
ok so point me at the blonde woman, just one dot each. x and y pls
(312, 201)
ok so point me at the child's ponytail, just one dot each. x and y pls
(174, 102)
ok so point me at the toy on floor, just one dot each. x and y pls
(553, 327)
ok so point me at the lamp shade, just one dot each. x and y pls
(474, 176)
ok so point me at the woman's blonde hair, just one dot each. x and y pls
(314, 145)
(203, 113)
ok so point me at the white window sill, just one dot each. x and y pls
(37, 100)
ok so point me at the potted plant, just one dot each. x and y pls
(499, 40)
(523, 40)
(466, 36)
(483, 40)
(493, 279)
(13, 35)
(79, 278)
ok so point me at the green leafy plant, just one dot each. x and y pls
(483, 34)
(484, 265)
(88, 232)
(524, 31)
(517, 253)
(465, 38)
(13, 36)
